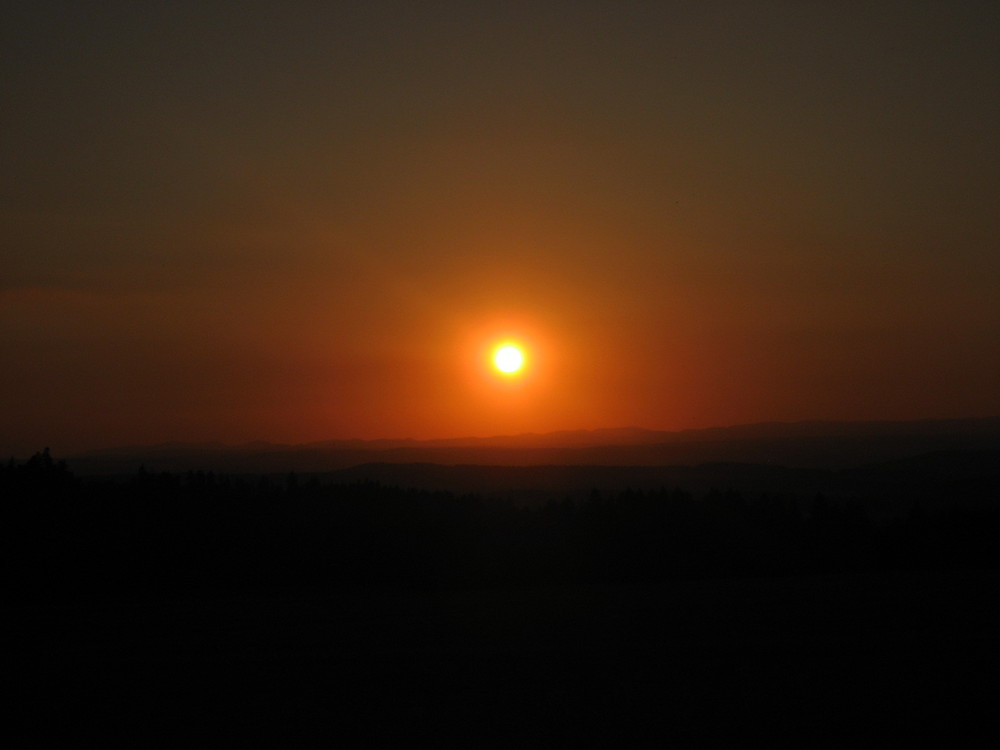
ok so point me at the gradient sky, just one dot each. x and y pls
(301, 221)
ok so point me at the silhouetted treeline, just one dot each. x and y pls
(181, 534)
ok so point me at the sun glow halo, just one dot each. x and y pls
(508, 359)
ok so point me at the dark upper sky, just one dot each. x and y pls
(297, 221)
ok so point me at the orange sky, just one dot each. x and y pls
(292, 223)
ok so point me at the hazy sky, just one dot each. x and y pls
(299, 221)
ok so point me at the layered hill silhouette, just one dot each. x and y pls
(793, 445)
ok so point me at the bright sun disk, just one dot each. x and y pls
(508, 359)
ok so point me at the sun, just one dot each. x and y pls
(508, 359)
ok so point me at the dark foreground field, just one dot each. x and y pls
(821, 661)
(165, 610)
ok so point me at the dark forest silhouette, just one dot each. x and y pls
(274, 609)
(163, 534)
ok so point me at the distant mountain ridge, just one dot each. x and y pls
(605, 436)
(807, 444)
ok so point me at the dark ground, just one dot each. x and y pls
(812, 661)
